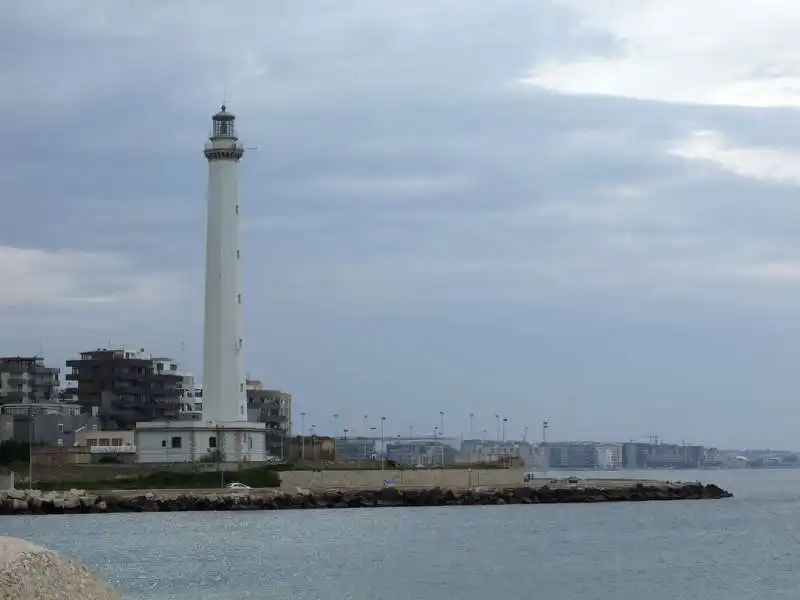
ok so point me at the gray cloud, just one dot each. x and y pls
(424, 226)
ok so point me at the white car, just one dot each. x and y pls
(237, 486)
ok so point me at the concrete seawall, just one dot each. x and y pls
(19, 502)
(411, 477)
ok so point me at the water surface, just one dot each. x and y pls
(740, 548)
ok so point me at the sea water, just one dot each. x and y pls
(741, 548)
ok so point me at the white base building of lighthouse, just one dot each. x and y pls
(193, 441)
(224, 434)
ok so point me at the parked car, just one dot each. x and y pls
(237, 486)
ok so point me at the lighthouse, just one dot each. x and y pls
(224, 433)
(224, 396)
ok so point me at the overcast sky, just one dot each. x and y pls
(579, 211)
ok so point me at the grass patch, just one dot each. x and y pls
(260, 477)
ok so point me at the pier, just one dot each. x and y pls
(25, 502)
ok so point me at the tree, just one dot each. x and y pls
(12, 452)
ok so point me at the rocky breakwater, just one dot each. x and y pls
(81, 501)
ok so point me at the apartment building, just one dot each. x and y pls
(124, 387)
(46, 428)
(274, 408)
(491, 451)
(356, 449)
(639, 455)
(27, 380)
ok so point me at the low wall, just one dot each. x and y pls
(457, 478)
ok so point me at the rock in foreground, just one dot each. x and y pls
(30, 572)
(79, 501)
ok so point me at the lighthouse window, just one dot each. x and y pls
(222, 128)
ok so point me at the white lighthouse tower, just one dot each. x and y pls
(224, 431)
(224, 397)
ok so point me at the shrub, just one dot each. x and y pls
(259, 477)
(12, 452)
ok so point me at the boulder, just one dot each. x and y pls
(30, 572)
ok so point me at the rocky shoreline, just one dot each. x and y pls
(25, 502)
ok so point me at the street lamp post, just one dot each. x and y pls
(497, 423)
(545, 427)
(503, 428)
(314, 453)
(31, 429)
(437, 435)
(441, 450)
(441, 421)
(303, 435)
(525, 434)
(471, 417)
(333, 435)
(372, 439)
(383, 449)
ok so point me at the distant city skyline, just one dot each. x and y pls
(535, 207)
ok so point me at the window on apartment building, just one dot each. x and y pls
(116, 441)
(176, 441)
(212, 442)
(104, 442)
(250, 443)
(92, 442)
(60, 428)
